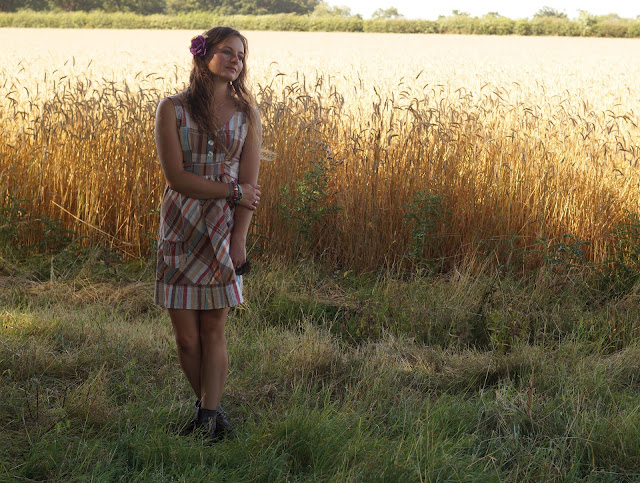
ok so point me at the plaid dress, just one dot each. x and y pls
(194, 268)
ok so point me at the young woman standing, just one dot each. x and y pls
(208, 139)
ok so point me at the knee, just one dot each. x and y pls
(188, 344)
(212, 334)
(212, 327)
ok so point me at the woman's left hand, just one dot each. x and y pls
(238, 251)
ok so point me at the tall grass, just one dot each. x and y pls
(515, 172)
(91, 386)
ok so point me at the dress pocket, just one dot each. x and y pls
(172, 242)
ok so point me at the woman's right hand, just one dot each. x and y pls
(250, 196)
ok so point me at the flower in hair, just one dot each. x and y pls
(198, 45)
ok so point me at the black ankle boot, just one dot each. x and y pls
(190, 427)
(223, 426)
(207, 425)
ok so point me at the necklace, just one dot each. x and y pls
(221, 105)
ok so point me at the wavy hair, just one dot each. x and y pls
(199, 94)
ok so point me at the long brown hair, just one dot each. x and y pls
(199, 95)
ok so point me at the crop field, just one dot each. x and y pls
(454, 288)
(380, 149)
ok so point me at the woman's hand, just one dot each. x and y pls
(250, 196)
(238, 251)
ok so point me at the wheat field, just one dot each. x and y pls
(523, 140)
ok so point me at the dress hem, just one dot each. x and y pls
(198, 297)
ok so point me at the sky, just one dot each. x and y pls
(429, 9)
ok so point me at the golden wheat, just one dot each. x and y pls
(525, 138)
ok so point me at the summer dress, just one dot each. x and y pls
(194, 269)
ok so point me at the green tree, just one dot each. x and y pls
(243, 7)
(281, 6)
(13, 5)
(76, 5)
(548, 12)
(144, 7)
(323, 9)
(9, 5)
(175, 6)
(587, 22)
(391, 12)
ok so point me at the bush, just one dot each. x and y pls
(522, 27)
(611, 28)
(633, 29)
(308, 206)
(401, 26)
(586, 25)
(426, 217)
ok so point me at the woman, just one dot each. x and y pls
(208, 139)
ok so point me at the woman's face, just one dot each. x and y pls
(228, 59)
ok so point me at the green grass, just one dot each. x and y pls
(91, 388)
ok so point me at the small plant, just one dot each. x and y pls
(55, 237)
(12, 220)
(308, 205)
(565, 255)
(426, 217)
(621, 270)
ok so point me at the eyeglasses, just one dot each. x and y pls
(244, 268)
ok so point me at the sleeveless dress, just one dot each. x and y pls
(194, 269)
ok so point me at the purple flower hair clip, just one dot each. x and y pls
(198, 45)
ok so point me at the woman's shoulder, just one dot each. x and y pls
(176, 99)
(173, 106)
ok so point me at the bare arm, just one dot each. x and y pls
(248, 173)
(185, 182)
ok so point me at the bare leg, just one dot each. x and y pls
(186, 328)
(215, 362)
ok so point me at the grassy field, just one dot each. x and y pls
(91, 388)
(446, 262)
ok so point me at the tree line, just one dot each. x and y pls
(148, 7)
(296, 15)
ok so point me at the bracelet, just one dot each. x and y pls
(235, 192)
(239, 198)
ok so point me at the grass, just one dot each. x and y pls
(445, 281)
(91, 387)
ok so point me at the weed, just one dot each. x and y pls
(426, 216)
(13, 222)
(308, 206)
(620, 272)
(564, 256)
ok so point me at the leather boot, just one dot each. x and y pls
(190, 427)
(223, 426)
(207, 425)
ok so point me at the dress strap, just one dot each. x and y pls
(179, 109)
(182, 122)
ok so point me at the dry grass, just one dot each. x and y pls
(526, 138)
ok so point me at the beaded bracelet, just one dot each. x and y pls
(235, 192)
